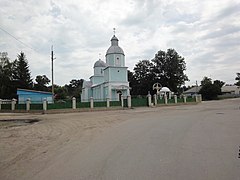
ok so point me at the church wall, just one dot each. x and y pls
(105, 92)
(115, 60)
(98, 71)
(118, 74)
(110, 59)
(97, 79)
(113, 74)
(106, 75)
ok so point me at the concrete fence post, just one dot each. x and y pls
(122, 101)
(184, 99)
(155, 99)
(108, 102)
(91, 103)
(129, 101)
(28, 102)
(175, 99)
(0, 104)
(196, 98)
(200, 98)
(149, 100)
(44, 104)
(13, 104)
(170, 95)
(165, 99)
(73, 103)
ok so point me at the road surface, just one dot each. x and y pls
(192, 142)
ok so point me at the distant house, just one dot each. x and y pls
(192, 91)
(35, 97)
(231, 89)
(226, 90)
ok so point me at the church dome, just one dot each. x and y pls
(114, 48)
(100, 63)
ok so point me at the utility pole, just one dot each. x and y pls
(196, 88)
(52, 72)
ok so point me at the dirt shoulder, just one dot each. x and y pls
(31, 141)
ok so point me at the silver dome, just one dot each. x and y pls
(100, 63)
(114, 48)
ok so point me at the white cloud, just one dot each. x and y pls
(205, 32)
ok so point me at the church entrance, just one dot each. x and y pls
(119, 95)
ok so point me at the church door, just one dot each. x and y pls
(119, 95)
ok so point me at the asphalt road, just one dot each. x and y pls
(199, 142)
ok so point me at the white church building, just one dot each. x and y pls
(110, 78)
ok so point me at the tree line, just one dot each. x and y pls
(167, 68)
(16, 74)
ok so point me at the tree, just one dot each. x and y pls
(237, 79)
(142, 78)
(206, 80)
(210, 90)
(42, 82)
(22, 73)
(6, 77)
(219, 83)
(60, 92)
(132, 82)
(74, 89)
(168, 69)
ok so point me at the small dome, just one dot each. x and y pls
(165, 89)
(114, 48)
(100, 63)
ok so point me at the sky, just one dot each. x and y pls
(206, 33)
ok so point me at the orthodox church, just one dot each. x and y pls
(110, 78)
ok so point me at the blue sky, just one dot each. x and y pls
(206, 33)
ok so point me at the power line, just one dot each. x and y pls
(17, 39)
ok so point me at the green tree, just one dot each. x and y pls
(7, 90)
(22, 73)
(210, 90)
(42, 82)
(219, 83)
(60, 92)
(74, 89)
(237, 79)
(143, 78)
(132, 82)
(168, 69)
(206, 80)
